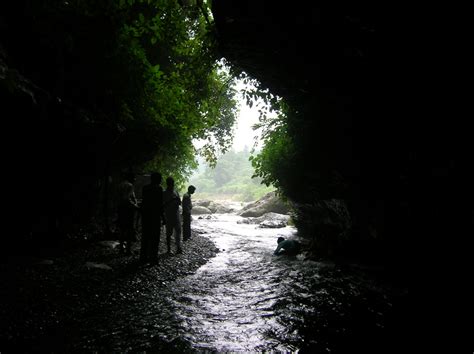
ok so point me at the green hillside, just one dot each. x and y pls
(230, 179)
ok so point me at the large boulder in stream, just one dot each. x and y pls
(212, 206)
(199, 210)
(268, 220)
(221, 209)
(269, 203)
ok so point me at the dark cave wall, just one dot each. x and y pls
(63, 138)
(335, 65)
(53, 166)
(57, 162)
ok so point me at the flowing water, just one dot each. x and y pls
(229, 303)
(246, 299)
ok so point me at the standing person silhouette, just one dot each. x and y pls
(187, 206)
(152, 215)
(171, 203)
(126, 207)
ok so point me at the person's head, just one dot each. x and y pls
(170, 182)
(191, 189)
(280, 239)
(155, 178)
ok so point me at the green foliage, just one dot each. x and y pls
(288, 156)
(149, 67)
(276, 163)
(231, 178)
(186, 93)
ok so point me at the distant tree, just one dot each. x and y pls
(231, 177)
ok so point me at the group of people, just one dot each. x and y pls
(161, 207)
(158, 207)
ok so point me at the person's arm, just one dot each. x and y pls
(186, 204)
(162, 202)
(144, 201)
(279, 247)
(163, 217)
(131, 196)
(178, 198)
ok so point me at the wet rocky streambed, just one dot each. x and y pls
(226, 292)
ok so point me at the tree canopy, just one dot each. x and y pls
(149, 67)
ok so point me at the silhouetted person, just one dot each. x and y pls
(171, 203)
(287, 247)
(187, 206)
(126, 208)
(152, 215)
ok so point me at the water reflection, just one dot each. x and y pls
(246, 299)
(228, 304)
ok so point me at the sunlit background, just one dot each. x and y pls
(231, 178)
